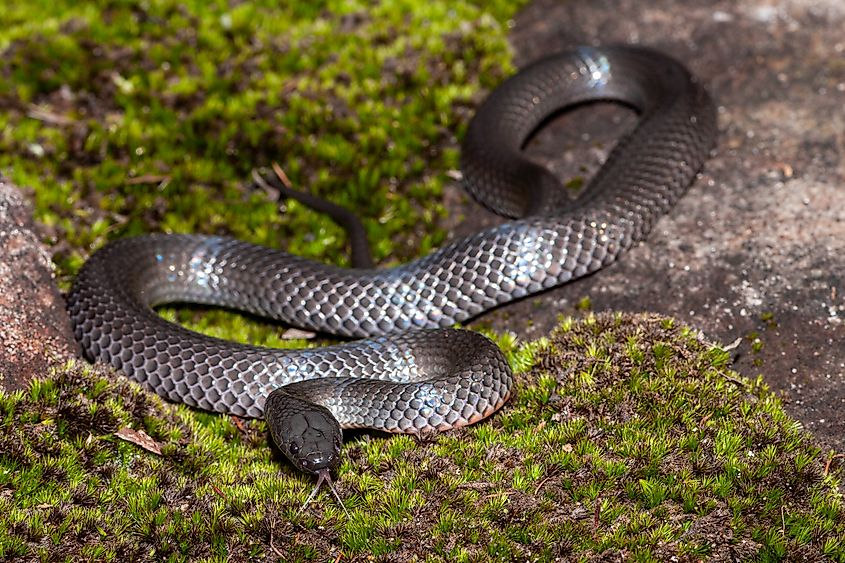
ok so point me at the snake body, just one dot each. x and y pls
(403, 380)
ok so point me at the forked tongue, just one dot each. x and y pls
(324, 476)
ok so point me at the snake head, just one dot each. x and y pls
(313, 442)
(308, 434)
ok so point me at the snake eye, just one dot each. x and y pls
(293, 448)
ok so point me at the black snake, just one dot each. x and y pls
(403, 380)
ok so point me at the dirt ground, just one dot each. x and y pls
(755, 250)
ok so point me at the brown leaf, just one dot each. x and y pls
(139, 438)
(149, 179)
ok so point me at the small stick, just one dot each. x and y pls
(220, 493)
(283, 178)
(782, 521)
(273, 547)
(543, 482)
(829, 461)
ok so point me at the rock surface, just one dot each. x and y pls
(34, 328)
(755, 250)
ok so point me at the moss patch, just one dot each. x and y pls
(145, 116)
(126, 117)
(627, 436)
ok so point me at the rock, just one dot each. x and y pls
(35, 330)
(755, 251)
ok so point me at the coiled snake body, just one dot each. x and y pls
(402, 380)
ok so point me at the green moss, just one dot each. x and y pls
(139, 116)
(129, 117)
(661, 452)
(585, 304)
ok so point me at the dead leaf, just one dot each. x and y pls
(149, 179)
(139, 438)
(297, 334)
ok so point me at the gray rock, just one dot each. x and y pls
(755, 249)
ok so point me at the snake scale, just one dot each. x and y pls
(399, 379)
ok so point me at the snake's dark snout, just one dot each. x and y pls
(317, 461)
(312, 451)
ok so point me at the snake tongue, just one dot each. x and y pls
(324, 476)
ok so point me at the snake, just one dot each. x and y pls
(411, 371)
